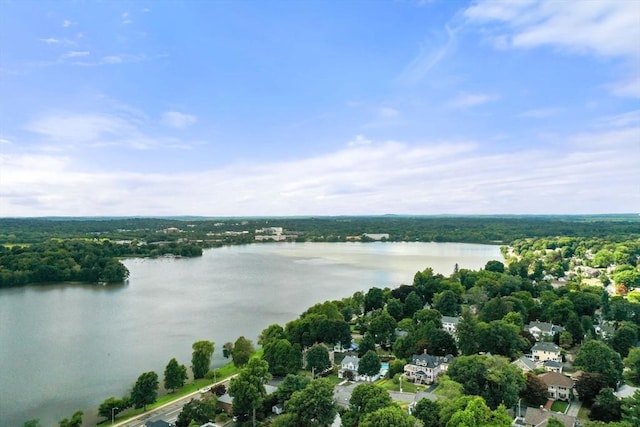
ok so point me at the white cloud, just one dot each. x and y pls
(177, 119)
(55, 41)
(605, 28)
(365, 177)
(427, 58)
(540, 113)
(67, 23)
(76, 54)
(126, 18)
(467, 100)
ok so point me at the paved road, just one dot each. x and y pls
(168, 412)
(342, 394)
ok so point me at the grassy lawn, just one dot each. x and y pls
(583, 413)
(559, 406)
(407, 386)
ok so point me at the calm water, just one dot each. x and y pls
(69, 347)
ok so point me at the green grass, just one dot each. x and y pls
(559, 406)
(407, 387)
(583, 413)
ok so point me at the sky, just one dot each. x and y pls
(268, 108)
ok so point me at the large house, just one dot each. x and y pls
(425, 368)
(543, 351)
(525, 364)
(541, 330)
(559, 386)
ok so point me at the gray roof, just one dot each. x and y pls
(553, 364)
(430, 361)
(540, 417)
(527, 362)
(351, 359)
(546, 346)
(450, 319)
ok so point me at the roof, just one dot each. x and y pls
(539, 417)
(351, 359)
(225, 398)
(556, 379)
(429, 360)
(528, 363)
(553, 364)
(450, 319)
(625, 391)
(546, 346)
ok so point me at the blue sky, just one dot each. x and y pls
(222, 108)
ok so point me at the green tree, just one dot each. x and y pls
(201, 358)
(369, 364)
(632, 362)
(446, 302)
(495, 266)
(412, 304)
(175, 375)
(283, 358)
(373, 300)
(242, 351)
(199, 411)
(607, 407)
(318, 359)
(589, 385)
(382, 327)
(596, 356)
(365, 399)
(535, 392)
(74, 421)
(290, 385)
(145, 390)
(624, 339)
(389, 416)
(467, 332)
(631, 408)
(366, 344)
(314, 405)
(427, 410)
(32, 423)
(395, 308)
(113, 406)
(271, 333)
(247, 388)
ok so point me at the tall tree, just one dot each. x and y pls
(426, 410)
(366, 344)
(412, 304)
(271, 333)
(74, 421)
(467, 333)
(113, 406)
(290, 385)
(199, 411)
(365, 399)
(283, 358)
(607, 407)
(632, 362)
(389, 416)
(175, 375)
(318, 359)
(242, 351)
(201, 358)
(369, 364)
(624, 339)
(382, 327)
(145, 390)
(535, 392)
(373, 300)
(247, 388)
(314, 405)
(589, 385)
(596, 356)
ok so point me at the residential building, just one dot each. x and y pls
(539, 417)
(559, 386)
(351, 363)
(552, 366)
(425, 368)
(543, 351)
(542, 330)
(525, 364)
(450, 324)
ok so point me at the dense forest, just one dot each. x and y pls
(49, 250)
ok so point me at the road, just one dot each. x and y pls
(342, 394)
(167, 412)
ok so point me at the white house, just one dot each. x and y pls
(450, 324)
(351, 363)
(558, 386)
(541, 330)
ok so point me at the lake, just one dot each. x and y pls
(68, 347)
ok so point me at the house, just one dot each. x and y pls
(225, 401)
(559, 386)
(541, 330)
(277, 409)
(425, 368)
(377, 236)
(543, 351)
(552, 366)
(525, 364)
(351, 363)
(450, 324)
(539, 417)
(605, 330)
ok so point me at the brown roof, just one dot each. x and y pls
(556, 379)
